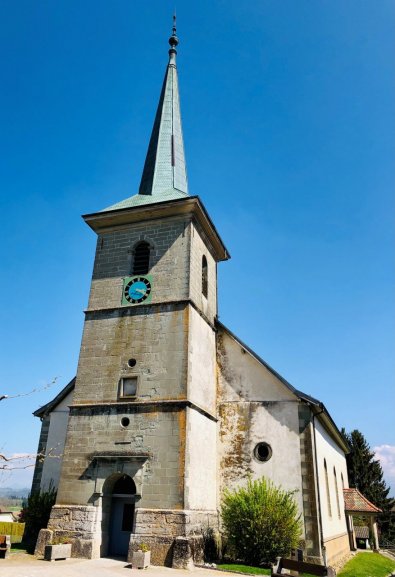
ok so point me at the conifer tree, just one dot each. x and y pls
(366, 474)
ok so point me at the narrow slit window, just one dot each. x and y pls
(328, 495)
(204, 276)
(141, 258)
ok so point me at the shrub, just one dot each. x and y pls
(261, 522)
(35, 513)
(211, 545)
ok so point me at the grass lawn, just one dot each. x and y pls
(368, 565)
(249, 570)
(18, 548)
(244, 569)
(362, 565)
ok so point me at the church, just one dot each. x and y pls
(168, 406)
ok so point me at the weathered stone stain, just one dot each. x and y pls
(234, 427)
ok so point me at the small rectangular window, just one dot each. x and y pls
(128, 387)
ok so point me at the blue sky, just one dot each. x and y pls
(287, 113)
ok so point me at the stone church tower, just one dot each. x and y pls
(141, 436)
(169, 407)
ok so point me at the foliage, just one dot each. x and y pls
(365, 473)
(144, 547)
(35, 513)
(211, 546)
(368, 565)
(261, 522)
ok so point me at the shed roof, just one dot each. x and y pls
(361, 532)
(355, 502)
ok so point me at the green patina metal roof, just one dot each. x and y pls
(164, 174)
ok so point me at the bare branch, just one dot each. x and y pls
(35, 390)
(25, 461)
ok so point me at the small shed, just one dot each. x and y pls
(356, 504)
(7, 517)
(362, 536)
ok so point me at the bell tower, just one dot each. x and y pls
(144, 413)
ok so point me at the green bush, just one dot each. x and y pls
(261, 522)
(35, 513)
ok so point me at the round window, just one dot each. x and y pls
(125, 422)
(263, 452)
(132, 363)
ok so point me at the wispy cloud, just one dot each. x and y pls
(386, 456)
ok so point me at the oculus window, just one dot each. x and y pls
(263, 452)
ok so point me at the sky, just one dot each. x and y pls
(287, 111)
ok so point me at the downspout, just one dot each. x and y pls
(323, 549)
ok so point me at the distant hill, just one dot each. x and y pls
(10, 492)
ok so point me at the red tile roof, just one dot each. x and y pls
(355, 502)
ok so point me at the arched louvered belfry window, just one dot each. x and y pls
(328, 495)
(337, 493)
(204, 276)
(141, 258)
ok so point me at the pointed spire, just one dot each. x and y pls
(164, 175)
(165, 170)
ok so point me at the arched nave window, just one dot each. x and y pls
(328, 495)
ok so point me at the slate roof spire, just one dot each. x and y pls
(164, 168)
(164, 175)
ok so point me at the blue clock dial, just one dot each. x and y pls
(137, 290)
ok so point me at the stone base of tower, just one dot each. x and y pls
(175, 537)
(81, 524)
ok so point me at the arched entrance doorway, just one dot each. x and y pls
(121, 494)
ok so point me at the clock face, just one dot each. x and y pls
(136, 290)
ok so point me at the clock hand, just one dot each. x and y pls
(140, 291)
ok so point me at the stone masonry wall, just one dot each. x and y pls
(169, 261)
(150, 449)
(199, 248)
(310, 509)
(156, 337)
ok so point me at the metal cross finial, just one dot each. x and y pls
(173, 40)
(174, 23)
